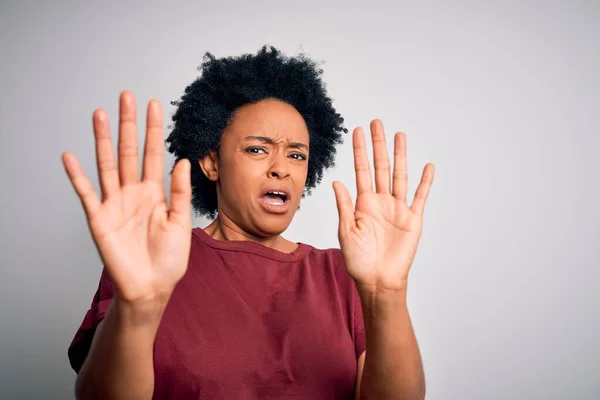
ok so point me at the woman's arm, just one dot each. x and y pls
(143, 243)
(120, 362)
(393, 368)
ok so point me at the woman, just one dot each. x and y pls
(234, 310)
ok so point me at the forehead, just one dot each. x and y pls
(270, 118)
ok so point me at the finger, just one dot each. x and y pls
(345, 208)
(418, 205)
(181, 194)
(361, 162)
(400, 174)
(154, 149)
(128, 147)
(81, 184)
(381, 160)
(105, 156)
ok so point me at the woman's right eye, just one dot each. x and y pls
(255, 150)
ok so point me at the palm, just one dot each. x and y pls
(379, 237)
(143, 244)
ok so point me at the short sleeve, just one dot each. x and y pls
(356, 320)
(360, 341)
(81, 343)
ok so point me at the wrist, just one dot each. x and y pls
(139, 314)
(383, 290)
(381, 305)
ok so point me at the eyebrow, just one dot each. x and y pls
(268, 140)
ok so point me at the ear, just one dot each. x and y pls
(210, 166)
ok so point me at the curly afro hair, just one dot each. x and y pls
(226, 84)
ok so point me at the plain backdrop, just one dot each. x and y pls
(503, 97)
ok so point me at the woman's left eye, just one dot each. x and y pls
(299, 156)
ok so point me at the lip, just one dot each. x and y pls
(274, 208)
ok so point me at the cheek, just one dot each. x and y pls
(240, 177)
(300, 178)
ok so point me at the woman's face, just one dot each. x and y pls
(261, 167)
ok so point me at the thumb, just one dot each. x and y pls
(181, 193)
(345, 208)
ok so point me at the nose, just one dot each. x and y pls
(279, 168)
(278, 173)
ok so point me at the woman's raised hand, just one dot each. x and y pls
(143, 243)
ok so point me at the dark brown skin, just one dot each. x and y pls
(266, 145)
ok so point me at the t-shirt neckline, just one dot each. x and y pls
(248, 246)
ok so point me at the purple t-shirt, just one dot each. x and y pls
(250, 322)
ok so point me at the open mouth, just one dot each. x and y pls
(275, 198)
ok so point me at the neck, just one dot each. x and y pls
(222, 228)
